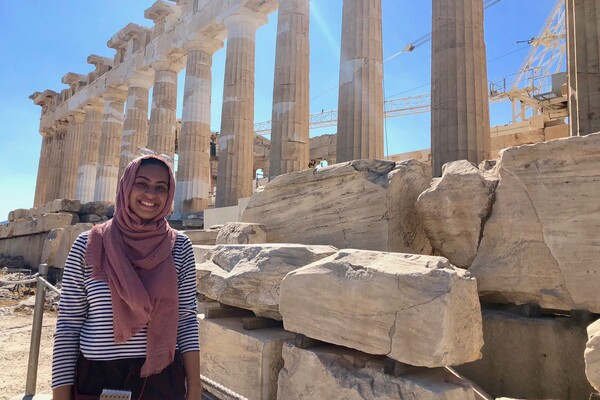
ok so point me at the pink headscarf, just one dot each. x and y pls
(136, 260)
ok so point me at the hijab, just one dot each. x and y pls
(135, 259)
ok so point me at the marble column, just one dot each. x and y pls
(89, 152)
(193, 174)
(236, 141)
(290, 145)
(55, 161)
(460, 120)
(111, 132)
(360, 101)
(135, 127)
(72, 151)
(43, 170)
(583, 49)
(163, 119)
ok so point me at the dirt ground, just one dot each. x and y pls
(16, 318)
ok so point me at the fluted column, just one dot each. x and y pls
(88, 158)
(193, 174)
(43, 170)
(135, 127)
(460, 121)
(236, 142)
(360, 101)
(72, 151)
(583, 46)
(57, 152)
(161, 131)
(110, 145)
(290, 145)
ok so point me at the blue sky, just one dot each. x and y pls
(44, 39)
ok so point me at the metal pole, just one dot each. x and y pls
(36, 331)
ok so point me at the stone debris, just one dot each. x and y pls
(242, 233)
(419, 310)
(365, 204)
(541, 243)
(249, 276)
(592, 355)
(454, 209)
(39, 224)
(206, 237)
(58, 244)
(331, 372)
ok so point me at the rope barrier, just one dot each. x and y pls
(221, 388)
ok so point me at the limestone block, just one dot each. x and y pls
(95, 207)
(330, 372)
(203, 236)
(43, 223)
(193, 223)
(247, 362)
(531, 357)
(22, 213)
(200, 252)
(58, 244)
(592, 355)
(61, 205)
(366, 204)
(242, 233)
(47, 222)
(453, 209)
(249, 276)
(90, 218)
(541, 243)
(419, 310)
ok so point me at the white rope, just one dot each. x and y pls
(221, 388)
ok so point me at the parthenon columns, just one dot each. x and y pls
(57, 153)
(193, 174)
(110, 144)
(583, 47)
(236, 142)
(42, 175)
(290, 121)
(460, 122)
(163, 117)
(135, 127)
(360, 101)
(88, 161)
(72, 152)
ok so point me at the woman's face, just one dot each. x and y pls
(150, 191)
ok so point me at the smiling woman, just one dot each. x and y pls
(150, 190)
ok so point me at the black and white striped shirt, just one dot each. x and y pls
(85, 318)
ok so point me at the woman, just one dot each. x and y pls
(127, 318)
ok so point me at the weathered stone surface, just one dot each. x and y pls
(29, 247)
(203, 237)
(331, 372)
(30, 226)
(200, 252)
(22, 213)
(90, 218)
(247, 362)
(58, 244)
(592, 355)
(242, 233)
(530, 357)
(249, 276)
(419, 310)
(365, 204)
(541, 243)
(60, 205)
(98, 208)
(454, 208)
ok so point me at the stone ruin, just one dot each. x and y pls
(453, 278)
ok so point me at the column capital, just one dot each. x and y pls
(143, 79)
(114, 94)
(60, 126)
(76, 116)
(73, 79)
(203, 43)
(240, 14)
(95, 104)
(168, 65)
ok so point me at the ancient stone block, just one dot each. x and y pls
(541, 244)
(247, 362)
(47, 222)
(90, 218)
(366, 204)
(530, 358)
(592, 355)
(453, 209)
(98, 208)
(242, 233)
(200, 252)
(58, 244)
(203, 236)
(249, 276)
(331, 372)
(61, 205)
(419, 310)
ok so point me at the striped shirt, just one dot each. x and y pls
(85, 317)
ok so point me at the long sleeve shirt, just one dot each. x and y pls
(85, 317)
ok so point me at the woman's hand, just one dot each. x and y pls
(191, 365)
(63, 393)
